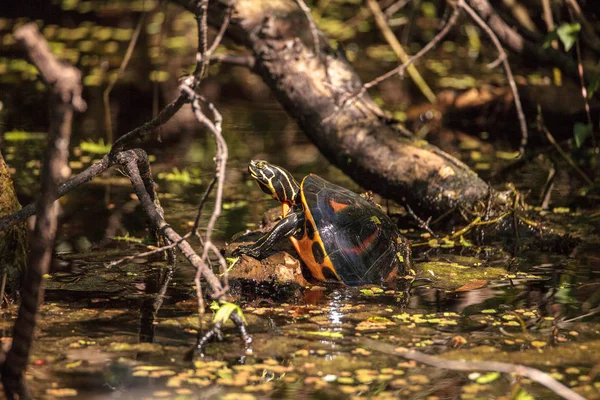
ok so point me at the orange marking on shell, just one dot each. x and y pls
(365, 243)
(337, 206)
(304, 248)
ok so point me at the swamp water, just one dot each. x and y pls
(103, 332)
(119, 333)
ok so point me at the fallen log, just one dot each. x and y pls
(353, 134)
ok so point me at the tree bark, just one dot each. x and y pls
(354, 136)
(13, 241)
(65, 84)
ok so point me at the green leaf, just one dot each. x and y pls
(581, 132)
(328, 334)
(488, 378)
(523, 395)
(567, 33)
(593, 87)
(225, 310)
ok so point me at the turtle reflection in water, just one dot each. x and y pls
(339, 235)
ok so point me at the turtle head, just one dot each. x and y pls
(275, 181)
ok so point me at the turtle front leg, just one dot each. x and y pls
(404, 253)
(284, 228)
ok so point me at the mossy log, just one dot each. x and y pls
(13, 241)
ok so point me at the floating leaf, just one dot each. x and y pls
(472, 285)
(62, 392)
(507, 155)
(464, 242)
(328, 334)
(14, 136)
(488, 378)
(95, 147)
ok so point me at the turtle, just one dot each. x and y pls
(340, 235)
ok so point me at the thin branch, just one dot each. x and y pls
(220, 34)
(313, 28)
(542, 127)
(201, 61)
(574, 9)
(399, 50)
(511, 80)
(130, 160)
(79, 179)
(238, 60)
(547, 192)
(221, 165)
(459, 365)
(401, 68)
(148, 253)
(422, 224)
(589, 33)
(394, 8)
(120, 72)
(140, 133)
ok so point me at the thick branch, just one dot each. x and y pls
(355, 137)
(65, 83)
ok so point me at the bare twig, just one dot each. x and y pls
(201, 62)
(202, 203)
(79, 179)
(122, 68)
(401, 68)
(221, 163)
(130, 160)
(140, 133)
(574, 9)
(422, 224)
(459, 365)
(394, 8)
(399, 50)
(511, 80)
(238, 60)
(220, 34)
(148, 253)
(549, 20)
(313, 28)
(542, 127)
(547, 192)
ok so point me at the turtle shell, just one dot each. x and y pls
(345, 237)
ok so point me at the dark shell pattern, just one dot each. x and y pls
(358, 237)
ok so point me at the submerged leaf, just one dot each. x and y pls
(472, 285)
